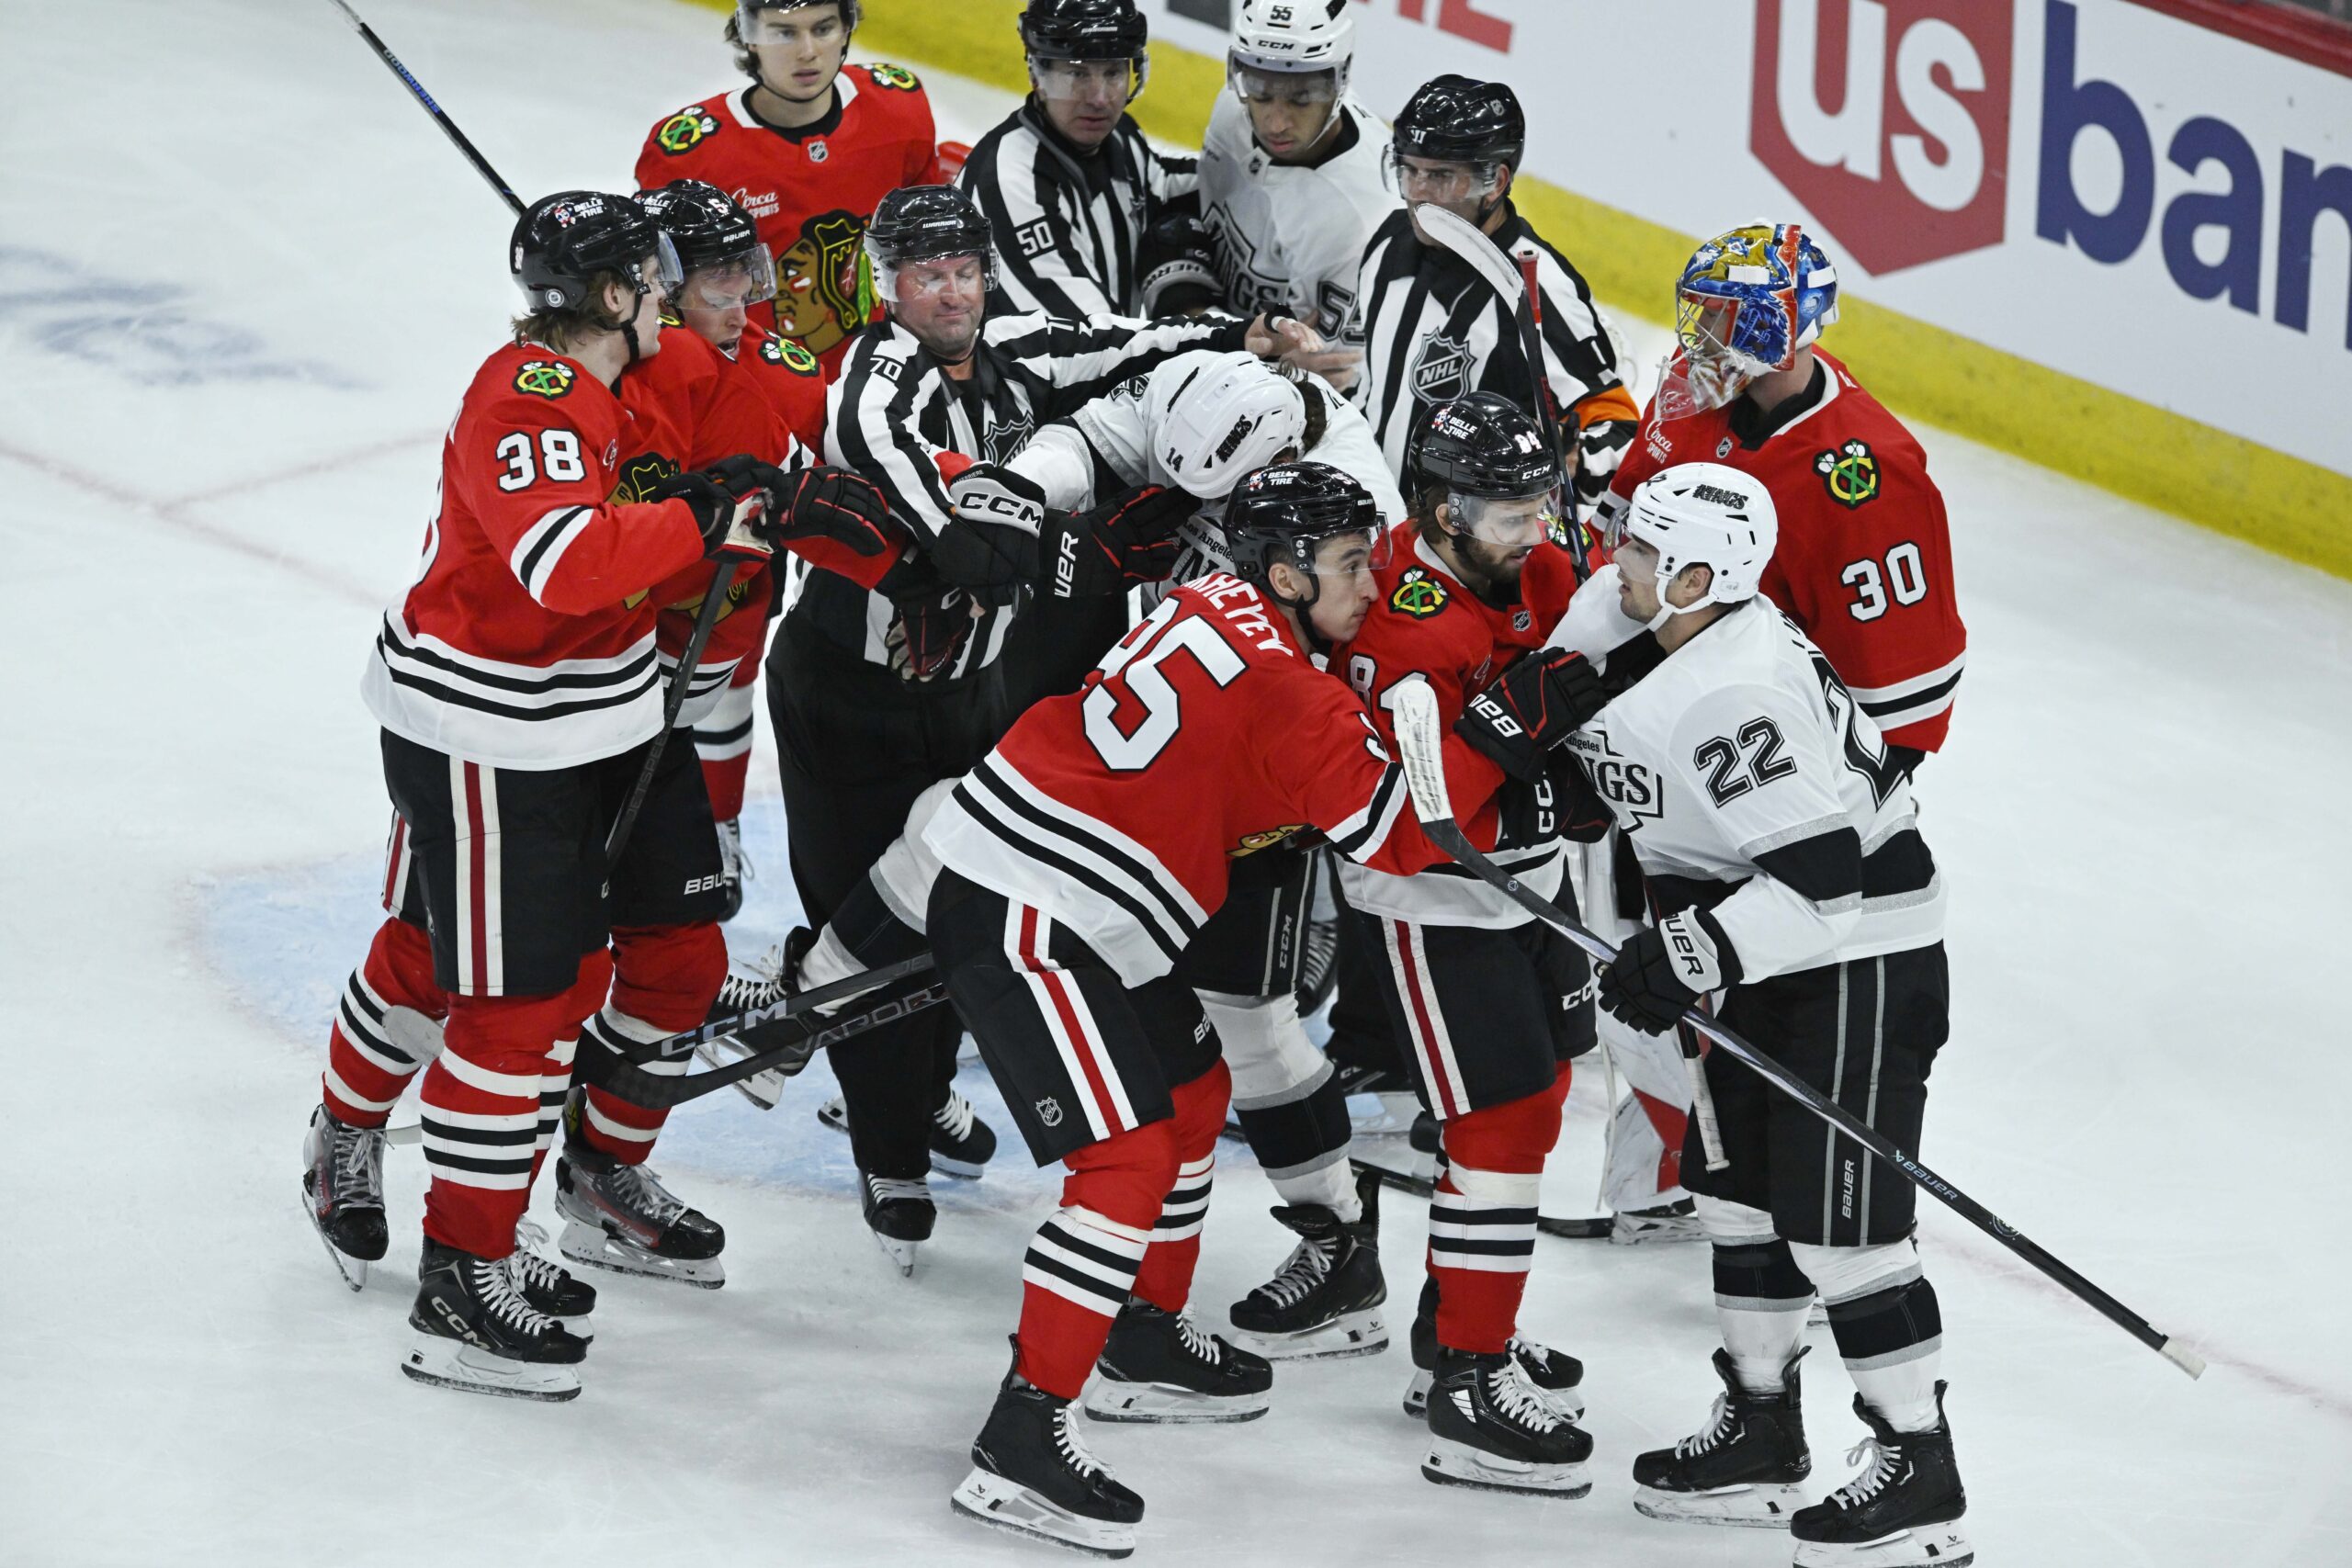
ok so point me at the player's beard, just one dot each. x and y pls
(1496, 567)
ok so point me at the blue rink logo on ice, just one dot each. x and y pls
(147, 331)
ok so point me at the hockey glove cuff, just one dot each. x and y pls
(1666, 968)
(727, 516)
(1536, 705)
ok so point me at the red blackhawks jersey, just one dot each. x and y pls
(1864, 560)
(811, 190)
(1206, 734)
(1428, 626)
(518, 645)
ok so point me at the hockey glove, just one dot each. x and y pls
(726, 514)
(928, 632)
(994, 548)
(1666, 968)
(818, 502)
(1533, 707)
(1128, 540)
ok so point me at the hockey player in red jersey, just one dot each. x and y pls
(1493, 1004)
(517, 688)
(809, 148)
(1079, 859)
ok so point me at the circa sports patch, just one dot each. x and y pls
(683, 132)
(548, 378)
(783, 351)
(1419, 595)
(1850, 472)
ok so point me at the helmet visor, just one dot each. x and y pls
(1431, 180)
(1346, 555)
(766, 25)
(746, 278)
(1256, 84)
(1117, 81)
(1511, 523)
(1637, 559)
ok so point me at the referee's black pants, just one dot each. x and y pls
(857, 746)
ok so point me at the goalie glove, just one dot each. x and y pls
(1664, 969)
(1532, 707)
(1131, 539)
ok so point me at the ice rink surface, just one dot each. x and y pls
(242, 285)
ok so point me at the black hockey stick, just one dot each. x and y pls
(1517, 291)
(1414, 709)
(713, 602)
(449, 127)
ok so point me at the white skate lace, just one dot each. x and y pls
(955, 1118)
(1074, 1450)
(530, 1267)
(1885, 1462)
(1520, 1400)
(741, 993)
(731, 850)
(639, 1189)
(494, 1285)
(886, 1188)
(1308, 1265)
(360, 1166)
(1718, 1428)
(1203, 1347)
(1531, 1355)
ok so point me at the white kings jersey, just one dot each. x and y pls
(1749, 781)
(1115, 437)
(1290, 238)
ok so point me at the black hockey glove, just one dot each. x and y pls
(817, 502)
(1665, 968)
(1176, 262)
(1127, 540)
(928, 632)
(1530, 708)
(716, 503)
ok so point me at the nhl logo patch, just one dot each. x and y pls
(1419, 595)
(819, 151)
(1723, 449)
(1442, 371)
(1049, 1112)
(683, 132)
(1851, 474)
(1521, 620)
(548, 378)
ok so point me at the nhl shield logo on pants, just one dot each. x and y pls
(1049, 1112)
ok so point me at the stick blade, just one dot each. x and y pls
(1466, 240)
(1413, 706)
(2181, 1355)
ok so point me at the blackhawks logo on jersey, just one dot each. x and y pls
(548, 378)
(1419, 595)
(1850, 472)
(791, 356)
(897, 78)
(683, 132)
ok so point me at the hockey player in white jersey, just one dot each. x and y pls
(1291, 183)
(1784, 846)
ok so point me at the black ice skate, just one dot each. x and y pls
(1742, 1467)
(1491, 1426)
(1903, 1511)
(343, 1191)
(734, 869)
(961, 1143)
(768, 985)
(620, 1218)
(1324, 1302)
(1555, 1373)
(1031, 1473)
(547, 1285)
(475, 1331)
(1161, 1368)
(901, 1215)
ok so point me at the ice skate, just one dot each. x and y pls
(1742, 1468)
(474, 1330)
(1555, 1373)
(1491, 1426)
(1677, 1220)
(620, 1218)
(1904, 1510)
(765, 986)
(547, 1285)
(1324, 1302)
(1032, 1474)
(734, 869)
(901, 1215)
(343, 1191)
(1161, 1368)
(961, 1143)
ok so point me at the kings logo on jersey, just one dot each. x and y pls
(1634, 793)
(1443, 372)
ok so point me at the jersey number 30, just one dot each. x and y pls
(1134, 667)
(1903, 570)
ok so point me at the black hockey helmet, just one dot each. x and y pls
(1483, 445)
(1085, 30)
(1285, 512)
(718, 244)
(564, 243)
(1457, 119)
(920, 223)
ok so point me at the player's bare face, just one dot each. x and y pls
(1637, 579)
(940, 303)
(1346, 587)
(1084, 98)
(1292, 117)
(799, 52)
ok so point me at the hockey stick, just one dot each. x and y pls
(1517, 291)
(658, 1091)
(706, 620)
(1415, 711)
(449, 127)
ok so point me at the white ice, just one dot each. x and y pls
(242, 285)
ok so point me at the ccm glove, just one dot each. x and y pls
(1533, 707)
(817, 502)
(1131, 539)
(1666, 968)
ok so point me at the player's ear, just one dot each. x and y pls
(1692, 585)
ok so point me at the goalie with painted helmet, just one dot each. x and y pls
(1291, 184)
(1781, 845)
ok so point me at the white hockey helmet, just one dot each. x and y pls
(1215, 419)
(1292, 38)
(1702, 514)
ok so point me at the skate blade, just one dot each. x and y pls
(446, 1363)
(1458, 1464)
(991, 1500)
(957, 1169)
(902, 1255)
(1417, 1394)
(1650, 1233)
(591, 1248)
(1739, 1508)
(1344, 1337)
(353, 1270)
(1165, 1404)
(1929, 1546)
